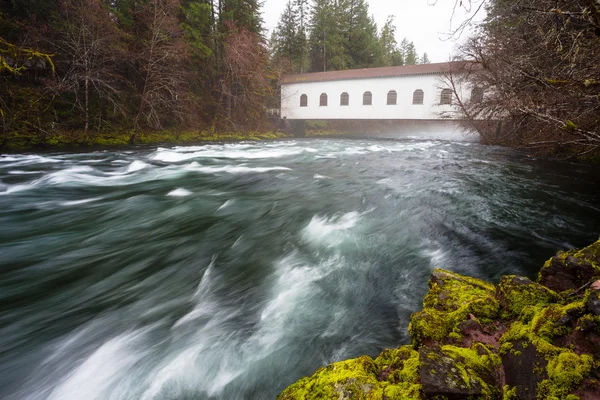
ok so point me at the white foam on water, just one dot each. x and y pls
(232, 169)
(355, 150)
(78, 202)
(201, 297)
(330, 231)
(20, 160)
(179, 193)
(100, 372)
(136, 166)
(80, 174)
(226, 204)
(177, 155)
(376, 149)
(415, 146)
(290, 303)
(317, 176)
(19, 172)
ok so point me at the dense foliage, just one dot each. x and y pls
(539, 64)
(98, 66)
(92, 67)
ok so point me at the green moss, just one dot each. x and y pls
(509, 393)
(538, 325)
(565, 373)
(469, 369)
(557, 81)
(535, 316)
(570, 125)
(79, 138)
(394, 374)
(589, 322)
(450, 300)
(516, 293)
(589, 254)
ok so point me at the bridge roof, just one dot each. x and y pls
(385, 72)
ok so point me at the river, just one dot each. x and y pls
(228, 271)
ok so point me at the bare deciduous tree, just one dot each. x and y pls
(245, 83)
(89, 54)
(539, 64)
(161, 50)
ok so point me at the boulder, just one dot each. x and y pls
(458, 373)
(392, 375)
(452, 299)
(524, 368)
(593, 302)
(518, 340)
(517, 292)
(570, 270)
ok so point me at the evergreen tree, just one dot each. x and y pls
(302, 10)
(244, 13)
(326, 41)
(409, 52)
(425, 59)
(390, 53)
(286, 33)
(361, 40)
(289, 40)
(197, 26)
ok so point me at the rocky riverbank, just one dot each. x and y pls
(473, 340)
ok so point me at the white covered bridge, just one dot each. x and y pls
(413, 92)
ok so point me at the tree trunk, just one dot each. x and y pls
(87, 102)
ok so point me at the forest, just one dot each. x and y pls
(538, 62)
(129, 71)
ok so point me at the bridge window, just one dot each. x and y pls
(418, 96)
(367, 99)
(392, 98)
(477, 95)
(446, 97)
(323, 100)
(344, 99)
(304, 101)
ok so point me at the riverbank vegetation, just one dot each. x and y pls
(94, 71)
(539, 65)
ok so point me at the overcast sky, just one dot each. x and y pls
(425, 22)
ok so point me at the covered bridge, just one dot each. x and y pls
(412, 92)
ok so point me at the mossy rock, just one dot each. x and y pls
(458, 373)
(570, 270)
(530, 345)
(517, 292)
(452, 299)
(547, 343)
(392, 375)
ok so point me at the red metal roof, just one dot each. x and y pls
(421, 69)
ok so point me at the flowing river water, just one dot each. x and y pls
(228, 271)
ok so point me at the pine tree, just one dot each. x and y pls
(390, 53)
(409, 52)
(289, 40)
(425, 59)
(244, 13)
(302, 9)
(286, 33)
(361, 41)
(326, 42)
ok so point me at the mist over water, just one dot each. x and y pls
(230, 271)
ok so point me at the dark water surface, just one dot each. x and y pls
(230, 271)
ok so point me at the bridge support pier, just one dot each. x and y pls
(299, 128)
